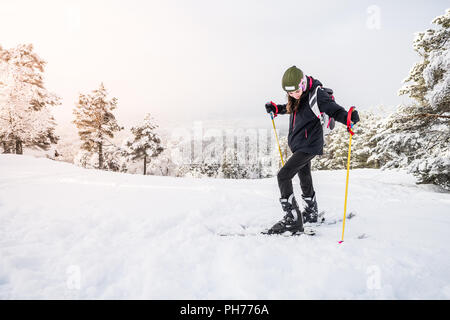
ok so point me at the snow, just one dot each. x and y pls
(68, 232)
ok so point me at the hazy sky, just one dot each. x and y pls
(217, 60)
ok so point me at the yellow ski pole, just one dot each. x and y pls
(276, 136)
(349, 128)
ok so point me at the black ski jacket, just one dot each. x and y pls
(305, 130)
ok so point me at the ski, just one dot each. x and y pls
(323, 221)
(307, 231)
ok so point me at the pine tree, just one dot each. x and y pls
(96, 123)
(230, 167)
(428, 81)
(25, 117)
(336, 149)
(114, 159)
(145, 142)
(417, 136)
(335, 152)
(163, 164)
(247, 155)
(285, 151)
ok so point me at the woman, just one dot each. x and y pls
(305, 140)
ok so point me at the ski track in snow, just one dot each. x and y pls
(72, 233)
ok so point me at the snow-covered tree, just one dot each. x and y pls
(169, 161)
(25, 117)
(231, 168)
(113, 159)
(429, 79)
(248, 163)
(163, 164)
(96, 123)
(417, 136)
(145, 142)
(335, 153)
(285, 151)
(269, 161)
(86, 159)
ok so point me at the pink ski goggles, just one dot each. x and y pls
(302, 84)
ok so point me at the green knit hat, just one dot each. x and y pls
(291, 79)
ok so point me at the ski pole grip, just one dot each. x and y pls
(349, 120)
(276, 109)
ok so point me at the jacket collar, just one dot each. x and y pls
(312, 84)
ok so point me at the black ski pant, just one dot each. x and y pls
(299, 163)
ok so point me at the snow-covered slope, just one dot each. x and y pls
(67, 232)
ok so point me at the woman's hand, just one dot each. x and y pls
(270, 107)
(355, 117)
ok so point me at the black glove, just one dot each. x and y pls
(355, 117)
(271, 108)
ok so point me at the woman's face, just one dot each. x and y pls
(296, 94)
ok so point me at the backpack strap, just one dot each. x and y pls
(313, 103)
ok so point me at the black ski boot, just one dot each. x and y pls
(293, 219)
(311, 212)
